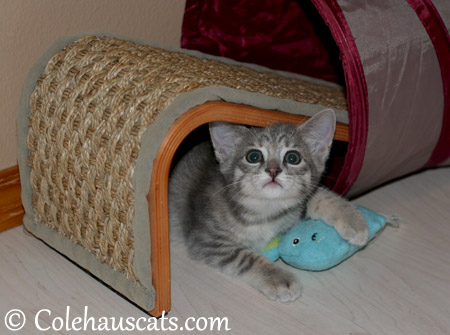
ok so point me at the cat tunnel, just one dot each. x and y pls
(393, 57)
(101, 118)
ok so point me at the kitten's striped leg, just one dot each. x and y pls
(261, 273)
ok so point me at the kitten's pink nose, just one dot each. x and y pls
(273, 172)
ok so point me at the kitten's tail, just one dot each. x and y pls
(393, 220)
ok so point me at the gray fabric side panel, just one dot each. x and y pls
(404, 88)
(446, 163)
(155, 133)
(142, 296)
(443, 7)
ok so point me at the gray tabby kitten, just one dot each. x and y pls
(261, 182)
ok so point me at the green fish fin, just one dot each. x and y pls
(275, 242)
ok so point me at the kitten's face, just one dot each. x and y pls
(270, 164)
(281, 162)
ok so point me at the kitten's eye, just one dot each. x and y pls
(296, 241)
(254, 156)
(292, 157)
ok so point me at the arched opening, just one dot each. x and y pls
(158, 194)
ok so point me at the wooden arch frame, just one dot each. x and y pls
(158, 194)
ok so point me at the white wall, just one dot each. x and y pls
(28, 27)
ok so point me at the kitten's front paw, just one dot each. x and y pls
(280, 285)
(353, 228)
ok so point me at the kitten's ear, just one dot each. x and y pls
(318, 132)
(225, 136)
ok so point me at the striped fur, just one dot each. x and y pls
(226, 208)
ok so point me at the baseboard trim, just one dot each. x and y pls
(11, 210)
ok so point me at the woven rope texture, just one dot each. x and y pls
(88, 112)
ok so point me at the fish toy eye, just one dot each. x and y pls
(314, 236)
(292, 157)
(296, 241)
(254, 156)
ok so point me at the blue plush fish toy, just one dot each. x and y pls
(314, 245)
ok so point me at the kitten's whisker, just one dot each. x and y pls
(227, 186)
